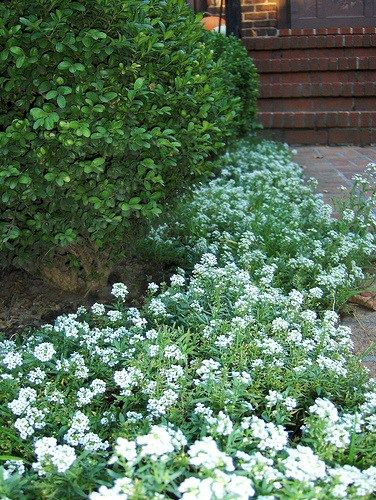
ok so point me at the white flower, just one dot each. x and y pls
(98, 386)
(125, 449)
(157, 307)
(44, 352)
(242, 377)
(316, 293)
(205, 453)
(128, 378)
(26, 396)
(98, 309)
(84, 396)
(52, 457)
(158, 407)
(151, 334)
(161, 442)
(36, 376)
(268, 435)
(119, 290)
(222, 486)
(12, 359)
(303, 465)
(12, 467)
(208, 371)
(121, 490)
(279, 324)
(114, 315)
(177, 280)
(153, 287)
(173, 351)
(78, 428)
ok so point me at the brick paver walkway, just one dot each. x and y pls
(334, 167)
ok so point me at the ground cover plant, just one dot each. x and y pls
(107, 108)
(234, 381)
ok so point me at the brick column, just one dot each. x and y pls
(259, 17)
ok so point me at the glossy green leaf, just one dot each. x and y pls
(61, 101)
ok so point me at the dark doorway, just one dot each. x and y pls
(198, 5)
(332, 13)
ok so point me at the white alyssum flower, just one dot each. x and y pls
(275, 397)
(209, 370)
(12, 467)
(44, 351)
(268, 435)
(177, 280)
(316, 292)
(157, 307)
(153, 287)
(124, 449)
(160, 443)
(119, 290)
(206, 454)
(98, 309)
(242, 377)
(174, 352)
(127, 379)
(12, 360)
(157, 407)
(303, 465)
(52, 457)
(260, 468)
(122, 489)
(220, 487)
(26, 396)
(36, 376)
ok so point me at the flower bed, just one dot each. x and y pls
(232, 382)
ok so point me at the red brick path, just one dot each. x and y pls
(334, 167)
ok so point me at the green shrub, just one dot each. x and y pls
(240, 76)
(107, 108)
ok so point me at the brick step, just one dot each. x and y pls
(326, 31)
(318, 86)
(329, 137)
(317, 104)
(315, 64)
(318, 77)
(313, 53)
(338, 89)
(319, 119)
(311, 42)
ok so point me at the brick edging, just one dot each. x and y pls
(311, 42)
(327, 31)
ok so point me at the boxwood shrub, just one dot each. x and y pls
(107, 109)
(241, 77)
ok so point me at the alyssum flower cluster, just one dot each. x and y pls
(232, 382)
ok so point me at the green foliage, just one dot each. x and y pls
(241, 77)
(279, 219)
(231, 382)
(107, 108)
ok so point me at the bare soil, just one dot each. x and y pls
(27, 301)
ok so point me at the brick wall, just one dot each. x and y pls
(259, 17)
